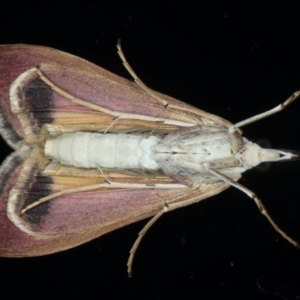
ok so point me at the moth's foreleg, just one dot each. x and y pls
(266, 114)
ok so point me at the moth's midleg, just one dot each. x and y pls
(252, 195)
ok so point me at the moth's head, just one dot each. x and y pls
(252, 155)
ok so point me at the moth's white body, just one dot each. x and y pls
(185, 154)
(134, 151)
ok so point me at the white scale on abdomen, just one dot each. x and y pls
(111, 150)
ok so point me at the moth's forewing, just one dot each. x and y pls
(26, 175)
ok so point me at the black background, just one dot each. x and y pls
(233, 61)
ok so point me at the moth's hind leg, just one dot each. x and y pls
(137, 80)
(140, 236)
(141, 84)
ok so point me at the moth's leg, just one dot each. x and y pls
(116, 114)
(252, 195)
(162, 160)
(237, 142)
(168, 167)
(174, 135)
(223, 163)
(140, 236)
(201, 135)
(151, 92)
(266, 114)
(105, 185)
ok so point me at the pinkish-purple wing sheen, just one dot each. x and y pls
(73, 219)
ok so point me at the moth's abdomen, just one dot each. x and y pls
(97, 150)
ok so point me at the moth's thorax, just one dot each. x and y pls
(199, 147)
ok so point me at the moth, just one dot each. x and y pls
(94, 152)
